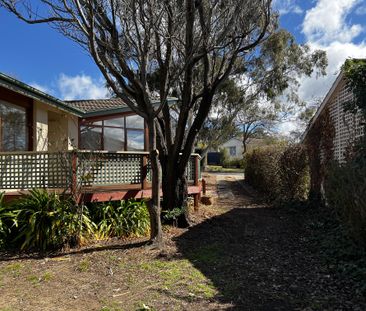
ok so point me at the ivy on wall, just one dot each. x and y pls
(319, 144)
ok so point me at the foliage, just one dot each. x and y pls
(224, 155)
(319, 144)
(355, 73)
(261, 170)
(47, 222)
(123, 218)
(339, 250)
(7, 221)
(294, 173)
(279, 171)
(345, 188)
(233, 163)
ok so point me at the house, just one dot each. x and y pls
(347, 126)
(94, 147)
(234, 147)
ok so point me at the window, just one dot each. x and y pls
(232, 151)
(14, 131)
(117, 134)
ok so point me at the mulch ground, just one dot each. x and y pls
(239, 255)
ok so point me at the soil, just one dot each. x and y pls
(240, 254)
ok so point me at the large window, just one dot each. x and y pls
(14, 132)
(116, 134)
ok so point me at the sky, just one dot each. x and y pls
(42, 57)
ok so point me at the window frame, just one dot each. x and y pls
(85, 121)
(13, 98)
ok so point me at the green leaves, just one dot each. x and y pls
(124, 218)
(44, 221)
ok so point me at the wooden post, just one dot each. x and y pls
(196, 197)
(74, 174)
(144, 172)
(196, 170)
(204, 186)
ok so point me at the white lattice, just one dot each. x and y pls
(348, 126)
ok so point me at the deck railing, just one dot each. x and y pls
(67, 170)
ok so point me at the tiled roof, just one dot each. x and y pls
(95, 105)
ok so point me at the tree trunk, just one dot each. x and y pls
(156, 233)
(175, 191)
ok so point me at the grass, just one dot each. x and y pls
(220, 169)
(84, 265)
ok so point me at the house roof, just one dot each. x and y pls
(99, 107)
(29, 91)
(93, 105)
(80, 108)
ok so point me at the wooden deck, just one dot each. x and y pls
(89, 175)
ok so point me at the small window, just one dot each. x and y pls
(135, 122)
(14, 131)
(232, 151)
(135, 140)
(114, 139)
(91, 138)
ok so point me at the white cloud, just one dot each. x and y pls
(81, 87)
(337, 53)
(287, 7)
(326, 22)
(326, 28)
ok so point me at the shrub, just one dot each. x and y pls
(7, 221)
(262, 170)
(294, 173)
(124, 218)
(345, 188)
(224, 156)
(280, 172)
(234, 163)
(46, 222)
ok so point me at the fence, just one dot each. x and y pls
(65, 170)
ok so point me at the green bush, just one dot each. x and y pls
(7, 221)
(294, 174)
(345, 191)
(224, 156)
(280, 172)
(234, 163)
(45, 222)
(124, 218)
(262, 170)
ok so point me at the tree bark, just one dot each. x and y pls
(175, 190)
(156, 233)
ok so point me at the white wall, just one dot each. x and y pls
(237, 144)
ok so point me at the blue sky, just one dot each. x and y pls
(40, 56)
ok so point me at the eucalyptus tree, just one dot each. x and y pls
(192, 45)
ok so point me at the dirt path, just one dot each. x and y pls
(262, 258)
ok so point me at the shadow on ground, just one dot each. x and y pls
(262, 258)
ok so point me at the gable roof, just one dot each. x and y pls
(80, 108)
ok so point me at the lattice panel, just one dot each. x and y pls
(348, 126)
(190, 170)
(35, 170)
(96, 169)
